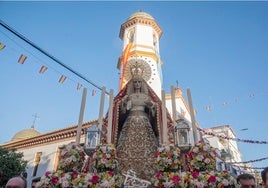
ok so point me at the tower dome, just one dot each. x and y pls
(24, 134)
(140, 14)
(140, 35)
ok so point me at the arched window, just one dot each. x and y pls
(131, 36)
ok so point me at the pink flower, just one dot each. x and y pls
(75, 174)
(176, 179)
(110, 173)
(212, 179)
(47, 173)
(195, 174)
(55, 180)
(95, 179)
(158, 175)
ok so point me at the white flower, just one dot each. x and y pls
(198, 184)
(65, 183)
(207, 160)
(167, 148)
(105, 184)
(195, 150)
(225, 182)
(169, 161)
(206, 147)
(168, 184)
(103, 149)
(68, 160)
(103, 160)
(199, 157)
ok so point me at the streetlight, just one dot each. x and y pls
(182, 136)
(93, 136)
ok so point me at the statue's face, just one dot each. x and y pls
(137, 84)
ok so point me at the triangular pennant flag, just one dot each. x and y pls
(78, 86)
(42, 69)
(2, 46)
(62, 79)
(22, 59)
(93, 92)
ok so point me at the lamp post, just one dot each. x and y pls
(182, 130)
(93, 136)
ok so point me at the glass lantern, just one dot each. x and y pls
(182, 134)
(93, 136)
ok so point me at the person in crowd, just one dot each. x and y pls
(264, 177)
(17, 182)
(246, 181)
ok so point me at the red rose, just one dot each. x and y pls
(195, 174)
(55, 180)
(47, 173)
(95, 179)
(75, 174)
(158, 175)
(212, 179)
(176, 179)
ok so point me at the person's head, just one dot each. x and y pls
(264, 177)
(16, 182)
(246, 181)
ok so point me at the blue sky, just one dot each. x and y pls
(217, 49)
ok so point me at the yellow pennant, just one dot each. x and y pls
(42, 69)
(2, 46)
(78, 86)
(22, 59)
(62, 79)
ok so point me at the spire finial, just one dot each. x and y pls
(35, 118)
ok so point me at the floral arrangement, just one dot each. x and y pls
(105, 158)
(168, 179)
(74, 179)
(201, 161)
(202, 157)
(194, 179)
(72, 157)
(69, 174)
(168, 158)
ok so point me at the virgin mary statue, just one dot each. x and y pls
(138, 132)
(137, 128)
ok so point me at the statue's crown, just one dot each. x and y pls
(136, 70)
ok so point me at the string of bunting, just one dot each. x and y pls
(235, 139)
(22, 59)
(209, 108)
(248, 167)
(245, 167)
(250, 161)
